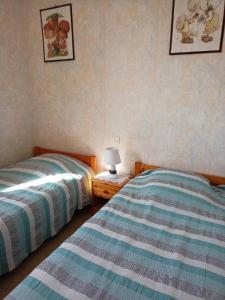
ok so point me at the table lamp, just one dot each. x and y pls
(112, 158)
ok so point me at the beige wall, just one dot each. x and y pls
(15, 125)
(167, 110)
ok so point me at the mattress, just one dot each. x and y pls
(161, 237)
(37, 198)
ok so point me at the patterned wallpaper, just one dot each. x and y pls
(15, 105)
(167, 110)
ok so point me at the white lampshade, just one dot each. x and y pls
(112, 156)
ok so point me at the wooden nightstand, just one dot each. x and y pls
(104, 190)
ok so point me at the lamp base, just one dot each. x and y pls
(113, 172)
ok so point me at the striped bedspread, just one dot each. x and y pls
(161, 237)
(37, 198)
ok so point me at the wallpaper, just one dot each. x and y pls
(15, 105)
(167, 110)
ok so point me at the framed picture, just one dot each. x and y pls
(57, 33)
(197, 26)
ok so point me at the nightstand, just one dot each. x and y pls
(103, 190)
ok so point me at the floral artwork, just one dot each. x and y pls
(197, 26)
(57, 33)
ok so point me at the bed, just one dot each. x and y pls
(161, 237)
(38, 197)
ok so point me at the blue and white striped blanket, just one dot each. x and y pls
(161, 237)
(37, 198)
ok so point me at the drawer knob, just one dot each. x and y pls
(105, 192)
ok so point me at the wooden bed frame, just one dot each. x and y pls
(141, 167)
(90, 160)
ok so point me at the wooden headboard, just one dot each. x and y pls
(90, 160)
(141, 167)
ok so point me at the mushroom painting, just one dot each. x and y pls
(57, 33)
(197, 26)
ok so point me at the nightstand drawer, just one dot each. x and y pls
(105, 191)
(103, 185)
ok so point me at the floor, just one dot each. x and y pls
(9, 281)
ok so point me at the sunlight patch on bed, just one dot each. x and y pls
(42, 181)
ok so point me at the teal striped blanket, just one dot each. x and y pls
(37, 198)
(161, 237)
